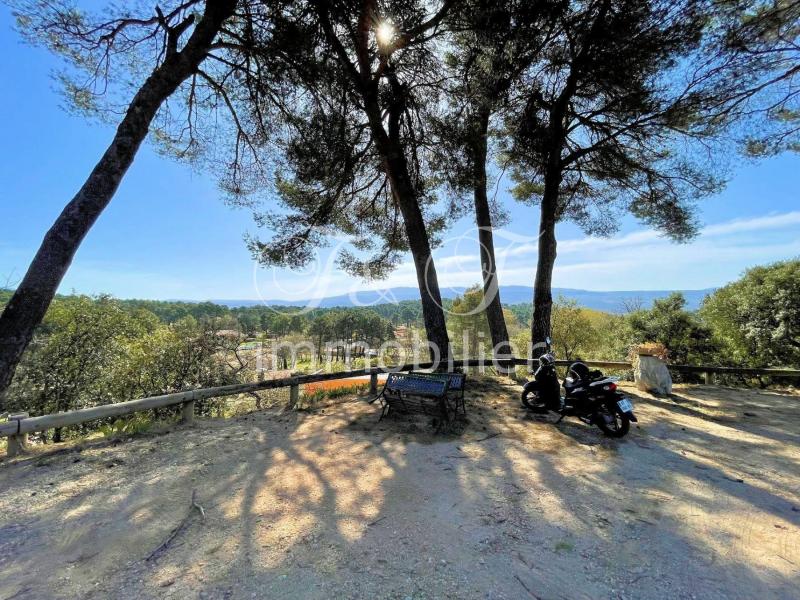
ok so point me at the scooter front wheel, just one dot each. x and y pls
(531, 398)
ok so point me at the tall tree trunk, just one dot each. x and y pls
(31, 299)
(483, 219)
(395, 163)
(418, 242)
(396, 166)
(542, 288)
(556, 135)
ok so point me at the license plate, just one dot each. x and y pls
(625, 405)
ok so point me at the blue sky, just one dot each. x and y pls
(167, 234)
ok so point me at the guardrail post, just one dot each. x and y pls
(373, 383)
(18, 443)
(294, 396)
(187, 412)
(709, 377)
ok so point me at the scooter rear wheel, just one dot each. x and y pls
(612, 421)
(530, 398)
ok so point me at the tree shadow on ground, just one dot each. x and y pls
(759, 412)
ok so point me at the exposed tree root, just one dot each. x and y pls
(181, 526)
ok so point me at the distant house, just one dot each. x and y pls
(229, 333)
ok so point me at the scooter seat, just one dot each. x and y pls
(604, 381)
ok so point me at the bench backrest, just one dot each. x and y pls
(412, 383)
(455, 381)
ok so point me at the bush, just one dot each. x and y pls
(756, 320)
(93, 351)
(683, 334)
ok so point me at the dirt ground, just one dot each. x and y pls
(702, 500)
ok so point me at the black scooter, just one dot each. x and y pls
(589, 395)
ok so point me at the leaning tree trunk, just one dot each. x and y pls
(419, 244)
(30, 301)
(542, 288)
(483, 219)
(396, 167)
(392, 152)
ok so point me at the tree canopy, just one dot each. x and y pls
(372, 121)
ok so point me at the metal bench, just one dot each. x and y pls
(418, 392)
(455, 386)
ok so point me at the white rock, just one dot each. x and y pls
(651, 374)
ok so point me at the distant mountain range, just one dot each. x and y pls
(510, 294)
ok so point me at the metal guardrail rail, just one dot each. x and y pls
(19, 425)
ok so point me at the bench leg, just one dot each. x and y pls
(384, 411)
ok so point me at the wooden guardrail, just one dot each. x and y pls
(20, 425)
(597, 364)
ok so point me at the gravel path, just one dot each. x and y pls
(702, 500)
